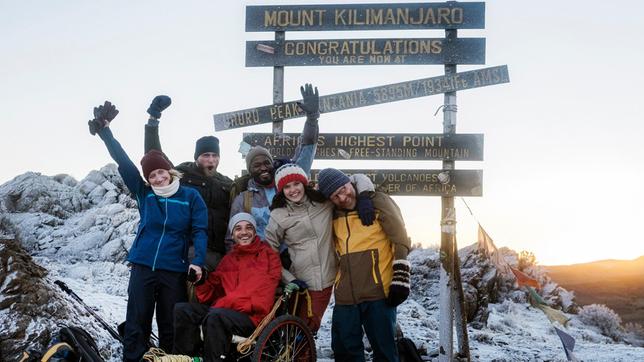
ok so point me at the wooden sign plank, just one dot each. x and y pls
(447, 15)
(423, 182)
(365, 52)
(366, 97)
(377, 146)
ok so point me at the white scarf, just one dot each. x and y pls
(167, 191)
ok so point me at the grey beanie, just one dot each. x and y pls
(331, 179)
(242, 216)
(254, 152)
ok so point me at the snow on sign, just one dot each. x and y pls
(366, 52)
(366, 97)
(377, 146)
(339, 17)
(423, 182)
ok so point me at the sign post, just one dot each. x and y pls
(365, 52)
(377, 146)
(278, 85)
(448, 146)
(367, 97)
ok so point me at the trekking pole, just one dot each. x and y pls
(111, 330)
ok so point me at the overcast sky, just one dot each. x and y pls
(563, 170)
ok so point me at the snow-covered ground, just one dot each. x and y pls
(80, 231)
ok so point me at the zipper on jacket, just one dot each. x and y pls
(346, 221)
(154, 264)
(373, 267)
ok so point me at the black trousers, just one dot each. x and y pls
(148, 289)
(219, 325)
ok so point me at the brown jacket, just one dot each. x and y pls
(367, 252)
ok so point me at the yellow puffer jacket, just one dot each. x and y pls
(366, 253)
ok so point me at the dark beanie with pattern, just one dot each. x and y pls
(331, 179)
(154, 160)
(206, 144)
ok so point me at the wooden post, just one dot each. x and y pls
(448, 230)
(459, 308)
(278, 85)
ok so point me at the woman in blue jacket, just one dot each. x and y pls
(171, 216)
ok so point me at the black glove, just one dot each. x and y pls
(192, 276)
(399, 288)
(159, 103)
(310, 101)
(285, 258)
(204, 276)
(103, 115)
(365, 208)
(300, 283)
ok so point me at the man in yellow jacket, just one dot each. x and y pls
(373, 273)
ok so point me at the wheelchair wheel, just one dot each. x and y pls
(285, 339)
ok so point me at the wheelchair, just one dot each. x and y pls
(283, 338)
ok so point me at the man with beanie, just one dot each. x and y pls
(260, 191)
(373, 275)
(233, 300)
(202, 175)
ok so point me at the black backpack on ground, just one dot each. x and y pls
(84, 346)
(407, 350)
(71, 344)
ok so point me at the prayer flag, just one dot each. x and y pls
(524, 279)
(568, 344)
(486, 244)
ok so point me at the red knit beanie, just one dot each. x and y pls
(288, 173)
(154, 160)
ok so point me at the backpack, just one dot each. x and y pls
(239, 185)
(407, 350)
(71, 344)
(84, 346)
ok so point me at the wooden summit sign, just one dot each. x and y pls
(377, 146)
(366, 97)
(339, 17)
(423, 182)
(365, 52)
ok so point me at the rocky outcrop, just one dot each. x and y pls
(32, 308)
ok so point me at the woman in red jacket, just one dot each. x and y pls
(234, 298)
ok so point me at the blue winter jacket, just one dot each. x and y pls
(167, 225)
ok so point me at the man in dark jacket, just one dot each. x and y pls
(202, 175)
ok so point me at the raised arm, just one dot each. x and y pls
(309, 138)
(152, 142)
(103, 116)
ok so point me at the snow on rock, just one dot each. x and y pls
(32, 308)
(80, 232)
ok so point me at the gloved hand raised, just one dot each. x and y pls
(366, 211)
(103, 115)
(158, 105)
(399, 288)
(310, 101)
